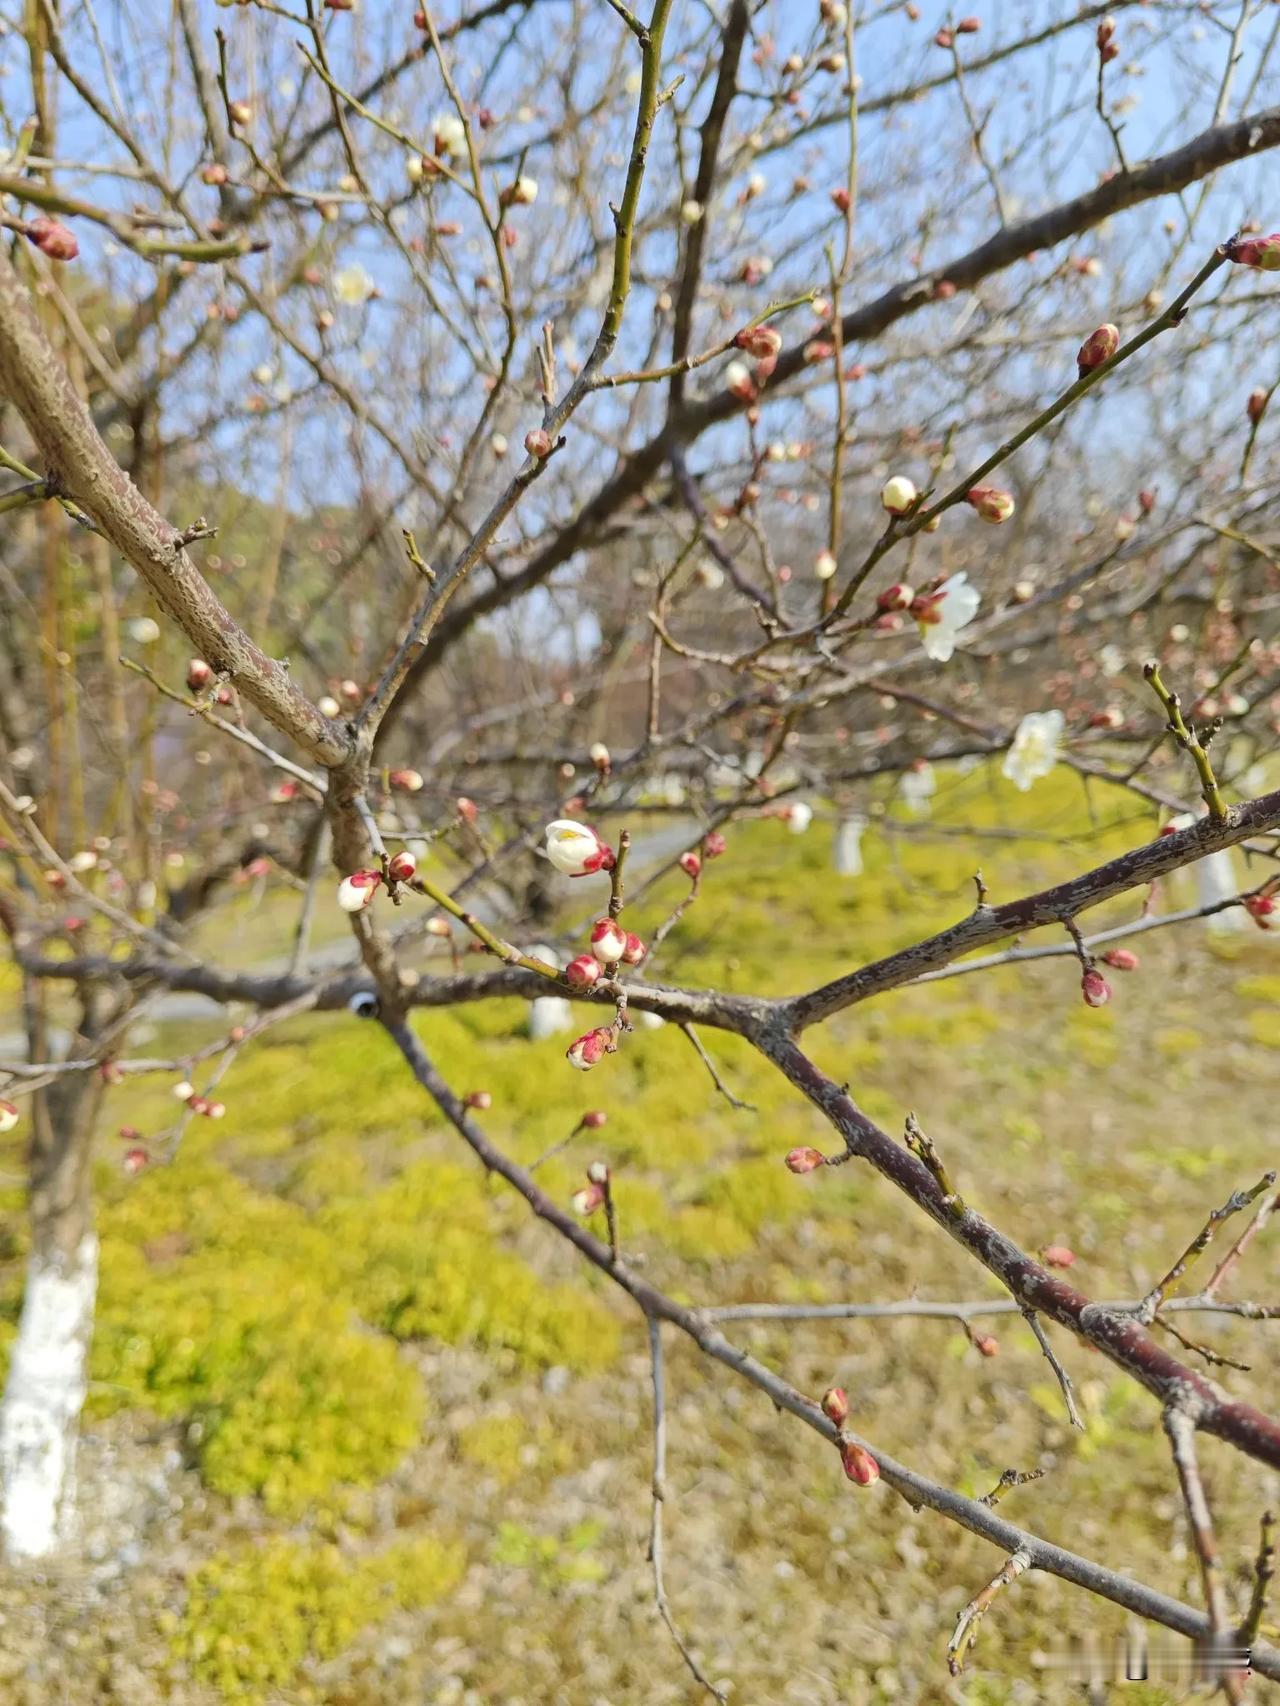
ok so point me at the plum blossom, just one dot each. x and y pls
(941, 615)
(1036, 745)
(353, 285)
(799, 817)
(576, 849)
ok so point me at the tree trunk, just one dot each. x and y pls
(45, 1390)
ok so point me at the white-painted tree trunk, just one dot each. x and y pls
(1216, 881)
(847, 850)
(43, 1397)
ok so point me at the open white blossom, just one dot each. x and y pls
(353, 285)
(1036, 745)
(799, 817)
(952, 607)
(449, 134)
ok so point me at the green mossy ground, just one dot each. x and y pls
(414, 1430)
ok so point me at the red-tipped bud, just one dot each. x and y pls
(1111, 718)
(590, 1048)
(987, 1344)
(582, 972)
(1058, 1256)
(608, 941)
(538, 443)
(690, 864)
(991, 503)
(968, 26)
(634, 951)
(898, 494)
(598, 1173)
(8, 1116)
(804, 1159)
(738, 380)
(52, 238)
(762, 342)
(842, 200)
(198, 1104)
(1098, 347)
(858, 1463)
(402, 867)
(897, 597)
(1146, 500)
(588, 1200)
(1106, 30)
(1261, 252)
(1095, 988)
(713, 844)
(405, 781)
(1109, 52)
(600, 756)
(1256, 406)
(944, 38)
(467, 809)
(134, 1160)
(593, 1119)
(835, 1405)
(480, 1100)
(199, 675)
(356, 891)
(1121, 959)
(1260, 908)
(283, 792)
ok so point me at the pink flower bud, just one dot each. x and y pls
(944, 38)
(1146, 500)
(1095, 988)
(239, 112)
(608, 941)
(987, 1344)
(198, 1104)
(943, 290)
(713, 844)
(467, 809)
(858, 1463)
(1261, 252)
(991, 503)
(582, 972)
(1260, 908)
(480, 1100)
(593, 1119)
(634, 951)
(738, 380)
(405, 781)
(351, 690)
(818, 349)
(283, 792)
(199, 675)
(587, 1200)
(1108, 52)
(356, 891)
(835, 1405)
(134, 1160)
(538, 443)
(1098, 347)
(1058, 1256)
(804, 1159)
(8, 1116)
(690, 864)
(402, 867)
(590, 1048)
(762, 342)
(52, 238)
(842, 200)
(968, 26)
(1256, 406)
(896, 597)
(1106, 30)
(1121, 959)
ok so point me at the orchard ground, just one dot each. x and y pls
(361, 1432)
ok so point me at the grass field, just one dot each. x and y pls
(362, 1433)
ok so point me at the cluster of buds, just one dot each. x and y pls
(185, 1092)
(591, 1048)
(991, 503)
(1097, 348)
(576, 850)
(595, 1192)
(763, 344)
